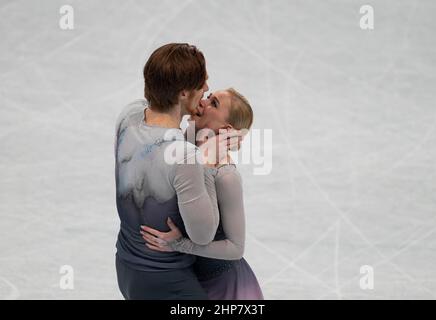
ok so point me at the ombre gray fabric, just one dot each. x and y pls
(150, 189)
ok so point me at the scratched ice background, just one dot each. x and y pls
(353, 115)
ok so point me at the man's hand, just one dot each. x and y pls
(160, 241)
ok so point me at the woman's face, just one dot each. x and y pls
(213, 112)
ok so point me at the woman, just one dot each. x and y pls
(220, 267)
(149, 189)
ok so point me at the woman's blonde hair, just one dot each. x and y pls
(240, 113)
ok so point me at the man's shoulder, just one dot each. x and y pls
(182, 152)
(132, 111)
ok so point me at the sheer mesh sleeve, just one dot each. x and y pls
(230, 200)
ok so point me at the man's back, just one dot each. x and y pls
(145, 192)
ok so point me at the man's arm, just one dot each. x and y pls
(230, 200)
(196, 195)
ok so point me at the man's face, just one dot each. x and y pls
(213, 112)
(192, 104)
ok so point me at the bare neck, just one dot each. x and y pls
(169, 119)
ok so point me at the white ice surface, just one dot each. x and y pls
(354, 152)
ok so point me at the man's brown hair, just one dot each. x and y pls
(169, 70)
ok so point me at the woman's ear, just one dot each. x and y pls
(227, 126)
(224, 128)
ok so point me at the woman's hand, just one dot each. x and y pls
(160, 241)
(215, 148)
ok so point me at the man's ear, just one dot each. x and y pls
(183, 95)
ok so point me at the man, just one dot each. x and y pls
(152, 191)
